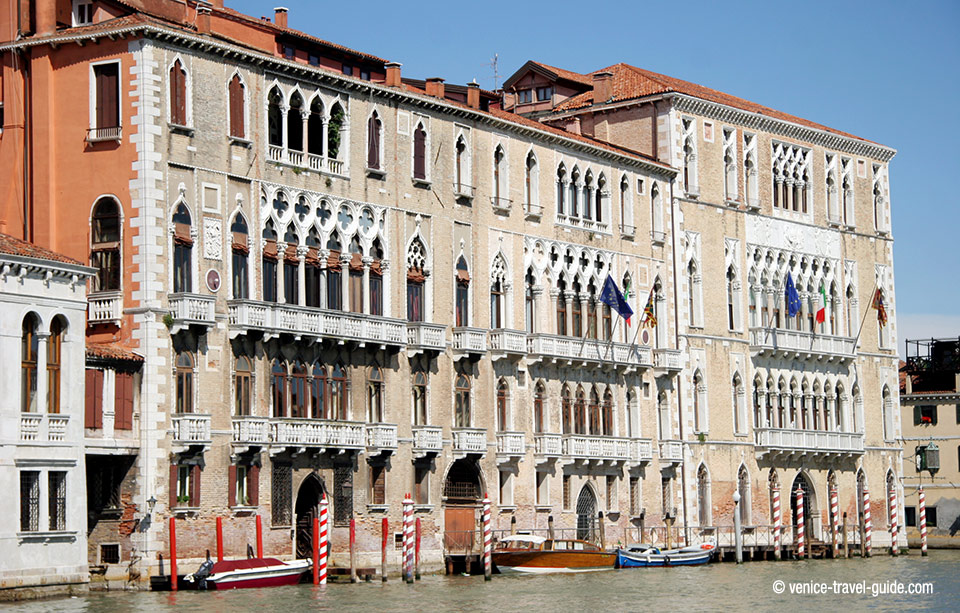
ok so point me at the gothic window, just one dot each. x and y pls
(240, 251)
(462, 300)
(314, 145)
(182, 250)
(539, 400)
(733, 314)
(693, 293)
(888, 416)
(375, 395)
(498, 293)
(699, 403)
(298, 390)
(575, 192)
(846, 193)
(566, 407)
(237, 104)
(278, 388)
(851, 322)
(178, 94)
(577, 312)
(269, 262)
(750, 169)
(529, 301)
(243, 386)
(105, 245)
(625, 213)
(531, 179)
(184, 372)
(562, 298)
(607, 413)
(376, 278)
(275, 117)
(295, 112)
(461, 166)
(374, 141)
(461, 403)
(335, 130)
(291, 268)
(690, 178)
(580, 412)
(729, 164)
(656, 204)
(416, 261)
(587, 196)
(594, 411)
(499, 176)
(503, 406)
(339, 394)
(591, 310)
(739, 410)
(54, 362)
(561, 190)
(355, 284)
(420, 152)
(29, 352)
(419, 394)
(663, 413)
(319, 405)
(598, 197)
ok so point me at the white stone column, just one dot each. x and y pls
(281, 264)
(324, 265)
(302, 273)
(367, 262)
(42, 338)
(345, 281)
(553, 306)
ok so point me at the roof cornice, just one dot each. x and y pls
(323, 76)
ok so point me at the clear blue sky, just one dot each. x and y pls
(886, 71)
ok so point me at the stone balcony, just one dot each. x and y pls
(104, 308)
(381, 438)
(43, 428)
(511, 446)
(668, 360)
(469, 441)
(786, 442)
(250, 432)
(274, 319)
(777, 342)
(427, 440)
(671, 452)
(547, 446)
(592, 352)
(596, 448)
(188, 310)
(191, 430)
(641, 451)
(423, 336)
(300, 159)
(469, 342)
(300, 434)
(504, 343)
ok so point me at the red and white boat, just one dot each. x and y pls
(251, 572)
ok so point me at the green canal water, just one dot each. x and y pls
(716, 587)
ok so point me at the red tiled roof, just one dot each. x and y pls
(630, 82)
(14, 246)
(569, 75)
(112, 351)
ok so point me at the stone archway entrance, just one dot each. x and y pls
(308, 507)
(586, 514)
(811, 512)
(462, 494)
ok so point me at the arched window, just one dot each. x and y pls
(335, 130)
(840, 407)
(420, 152)
(587, 196)
(185, 382)
(295, 117)
(182, 250)
(699, 403)
(243, 386)
(298, 390)
(562, 298)
(29, 351)
(54, 363)
(419, 395)
(626, 217)
(319, 407)
(577, 312)
(690, 177)
(663, 411)
(703, 496)
(269, 262)
(591, 310)
(374, 129)
(693, 292)
(561, 190)
(743, 486)
(580, 412)
(275, 117)
(503, 406)
(462, 293)
(416, 260)
(356, 275)
(733, 302)
(291, 267)
(461, 166)
(278, 388)
(529, 301)
(105, 245)
(531, 178)
(334, 273)
(606, 414)
(739, 408)
(539, 399)
(656, 206)
(575, 192)
(461, 408)
(633, 415)
(375, 395)
(566, 407)
(598, 197)
(376, 278)
(315, 128)
(888, 417)
(497, 294)
(499, 178)
(729, 164)
(659, 314)
(240, 251)
(338, 393)
(178, 94)
(237, 104)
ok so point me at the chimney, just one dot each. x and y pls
(435, 87)
(602, 87)
(280, 16)
(46, 16)
(217, 4)
(473, 94)
(393, 74)
(203, 19)
(573, 127)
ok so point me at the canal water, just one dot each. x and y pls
(716, 587)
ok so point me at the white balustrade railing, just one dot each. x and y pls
(814, 441)
(316, 322)
(95, 135)
(39, 427)
(382, 436)
(816, 345)
(294, 432)
(295, 158)
(192, 307)
(511, 341)
(470, 339)
(30, 426)
(671, 451)
(469, 440)
(427, 438)
(511, 443)
(426, 335)
(548, 444)
(641, 450)
(189, 428)
(57, 427)
(251, 430)
(335, 166)
(274, 153)
(104, 307)
(595, 447)
(554, 346)
(667, 359)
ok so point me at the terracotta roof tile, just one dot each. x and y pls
(569, 75)
(112, 351)
(14, 246)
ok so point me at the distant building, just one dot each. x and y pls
(43, 536)
(930, 413)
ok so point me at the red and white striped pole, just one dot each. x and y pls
(867, 525)
(487, 551)
(923, 523)
(894, 547)
(776, 521)
(408, 539)
(801, 545)
(835, 518)
(322, 570)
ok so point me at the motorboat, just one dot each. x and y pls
(250, 572)
(527, 553)
(641, 555)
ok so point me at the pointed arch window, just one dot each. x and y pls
(334, 274)
(374, 137)
(420, 153)
(566, 408)
(237, 107)
(499, 177)
(335, 130)
(419, 385)
(626, 216)
(269, 262)
(105, 245)
(561, 190)
(531, 178)
(243, 386)
(461, 166)
(588, 196)
(591, 310)
(416, 261)
(278, 388)
(733, 301)
(503, 406)
(295, 117)
(496, 303)
(319, 407)
(562, 298)
(376, 279)
(461, 404)
(529, 301)
(185, 365)
(699, 403)
(539, 400)
(598, 197)
(315, 127)
(178, 94)
(298, 390)
(275, 117)
(606, 413)
(182, 250)
(575, 192)
(240, 253)
(462, 293)
(54, 359)
(375, 395)
(577, 310)
(29, 352)
(580, 412)
(338, 393)
(739, 408)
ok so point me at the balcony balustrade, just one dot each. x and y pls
(381, 438)
(300, 159)
(590, 352)
(469, 341)
(191, 310)
(99, 135)
(427, 440)
(596, 448)
(804, 345)
(671, 451)
(641, 450)
(104, 307)
(191, 430)
(511, 445)
(504, 343)
(31, 427)
(424, 336)
(547, 446)
(251, 431)
(670, 360)
(303, 433)
(469, 440)
(795, 442)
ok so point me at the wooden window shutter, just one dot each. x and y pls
(253, 485)
(124, 401)
(178, 94)
(419, 154)
(174, 470)
(108, 103)
(916, 415)
(232, 485)
(93, 411)
(373, 143)
(195, 485)
(236, 107)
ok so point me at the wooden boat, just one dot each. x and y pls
(525, 553)
(635, 556)
(251, 572)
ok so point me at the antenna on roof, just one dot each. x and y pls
(494, 63)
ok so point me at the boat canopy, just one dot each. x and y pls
(523, 538)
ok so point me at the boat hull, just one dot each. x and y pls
(272, 573)
(627, 559)
(539, 562)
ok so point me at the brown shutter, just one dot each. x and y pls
(173, 485)
(270, 249)
(195, 485)
(232, 485)
(124, 401)
(236, 107)
(181, 233)
(373, 143)
(90, 402)
(108, 103)
(178, 93)
(419, 154)
(253, 485)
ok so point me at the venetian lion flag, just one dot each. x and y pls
(881, 310)
(649, 319)
(822, 305)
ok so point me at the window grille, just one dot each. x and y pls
(282, 494)
(110, 554)
(57, 499)
(342, 495)
(29, 501)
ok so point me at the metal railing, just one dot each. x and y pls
(462, 190)
(473, 340)
(316, 322)
(815, 441)
(381, 436)
(596, 447)
(97, 135)
(104, 307)
(806, 343)
(469, 440)
(501, 204)
(191, 429)
(532, 209)
(628, 230)
(192, 308)
(295, 432)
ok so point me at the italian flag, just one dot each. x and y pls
(822, 305)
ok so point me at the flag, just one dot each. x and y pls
(822, 306)
(793, 298)
(612, 297)
(649, 319)
(881, 310)
(626, 295)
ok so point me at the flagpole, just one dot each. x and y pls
(612, 333)
(866, 312)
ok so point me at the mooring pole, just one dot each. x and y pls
(316, 551)
(923, 522)
(383, 550)
(550, 527)
(173, 554)
(219, 539)
(416, 557)
(603, 534)
(846, 537)
(259, 537)
(487, 551)
(353, 550)
(737, 535)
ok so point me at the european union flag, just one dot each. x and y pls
(793, 298)
(612, 297)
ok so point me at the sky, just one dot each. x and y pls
(887, 71)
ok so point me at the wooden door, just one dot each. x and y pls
(460, 525)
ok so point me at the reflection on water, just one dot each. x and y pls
(709, 588)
